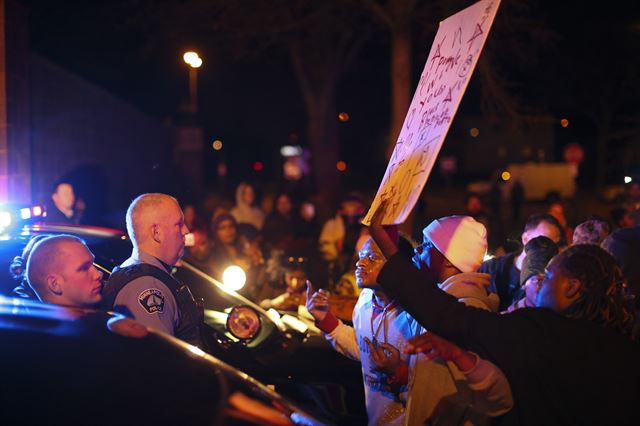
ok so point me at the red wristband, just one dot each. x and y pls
(328, 324)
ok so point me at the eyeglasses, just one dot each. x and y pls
(369, 255)
(427, 245)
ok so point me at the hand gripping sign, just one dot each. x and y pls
(445, 77)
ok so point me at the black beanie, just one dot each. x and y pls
(539, 252)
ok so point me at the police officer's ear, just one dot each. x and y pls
(54, 282)
(156, 233)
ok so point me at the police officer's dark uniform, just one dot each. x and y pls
(143, 288)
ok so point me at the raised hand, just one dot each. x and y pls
(378, 233)
(433, 346)
(385, 357)
(378, 215)
(317, 302)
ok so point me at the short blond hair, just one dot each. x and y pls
(141, 209)
(46, 257)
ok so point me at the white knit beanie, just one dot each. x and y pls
(461, 239)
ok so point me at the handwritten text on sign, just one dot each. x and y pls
(445, 77)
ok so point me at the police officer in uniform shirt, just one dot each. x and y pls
(142, 287)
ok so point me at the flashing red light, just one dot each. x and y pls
(36, 211)
(258, 166)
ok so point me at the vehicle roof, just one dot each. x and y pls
(62, 228)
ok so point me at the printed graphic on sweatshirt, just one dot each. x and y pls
(375, 380)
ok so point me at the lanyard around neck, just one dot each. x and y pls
(388, 308)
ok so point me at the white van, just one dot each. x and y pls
(539, 180)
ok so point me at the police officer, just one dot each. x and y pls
(143, 287)
(60, 270)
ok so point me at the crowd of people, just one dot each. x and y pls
(445, 335)
(275, 245)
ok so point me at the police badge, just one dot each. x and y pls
(152, 300)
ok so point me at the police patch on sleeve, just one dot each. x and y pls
(152, 300)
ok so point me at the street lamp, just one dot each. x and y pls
(194, 61)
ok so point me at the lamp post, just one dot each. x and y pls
(194, 61)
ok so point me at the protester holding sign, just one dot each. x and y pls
(569, 361)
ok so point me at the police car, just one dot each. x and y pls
(279, 350)
(75, 366)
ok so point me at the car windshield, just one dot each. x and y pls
(215, 295)
(109, 252)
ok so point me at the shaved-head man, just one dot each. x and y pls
(505, 270)
(142, 287)
(155, 224)
(60, 269)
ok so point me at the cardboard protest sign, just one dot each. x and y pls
(445, 77)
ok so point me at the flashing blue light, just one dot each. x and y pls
(25, 213)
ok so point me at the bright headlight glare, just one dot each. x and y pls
(234, 277)
(5, 219)
(273, 314)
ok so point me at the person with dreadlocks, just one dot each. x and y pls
(570, 360)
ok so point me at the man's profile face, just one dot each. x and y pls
(428, 257)
(369, 265)
(532, 288)
(173, 231)
(552, 291)
(64, 197)
(81, 282)
(544, 229)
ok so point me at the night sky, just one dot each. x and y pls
(253, 104)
